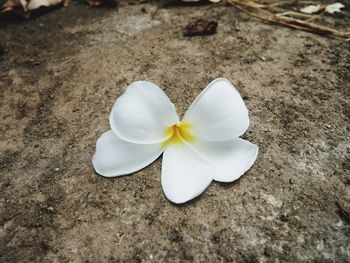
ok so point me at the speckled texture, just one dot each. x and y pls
(55, 208)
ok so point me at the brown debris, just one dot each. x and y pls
(200, 27)
(203, 1)
(96, 3)
(10, 5)
(343, 211)
(270, 13)
(2, 52)
(34, 62)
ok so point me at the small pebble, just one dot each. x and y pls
(284, 218)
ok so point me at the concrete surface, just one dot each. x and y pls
(60, 75)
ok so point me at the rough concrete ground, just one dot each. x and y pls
(290, 207)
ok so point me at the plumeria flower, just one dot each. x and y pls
(204, 146)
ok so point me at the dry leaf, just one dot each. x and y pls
(111, 3)
(94, 2)
(10, 5)
(200, 27)
(311, 9)
(333, 8)
(34, 62)
(268, 13)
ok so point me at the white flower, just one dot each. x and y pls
(311, 9)
(202, 147)
(333, 8)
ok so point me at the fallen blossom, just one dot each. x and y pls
(29, 5)
(204, 146)
(333, 8)
(311, 9)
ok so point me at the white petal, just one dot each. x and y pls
(231, 159)
(311, 9)
(333, 8)
(35, 4)
(185, 174)
(218, 113)
(142, 114)
(114, 157)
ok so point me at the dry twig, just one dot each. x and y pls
(267, 12)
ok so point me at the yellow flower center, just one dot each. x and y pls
(178, 133)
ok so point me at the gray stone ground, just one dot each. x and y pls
(290, 207)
